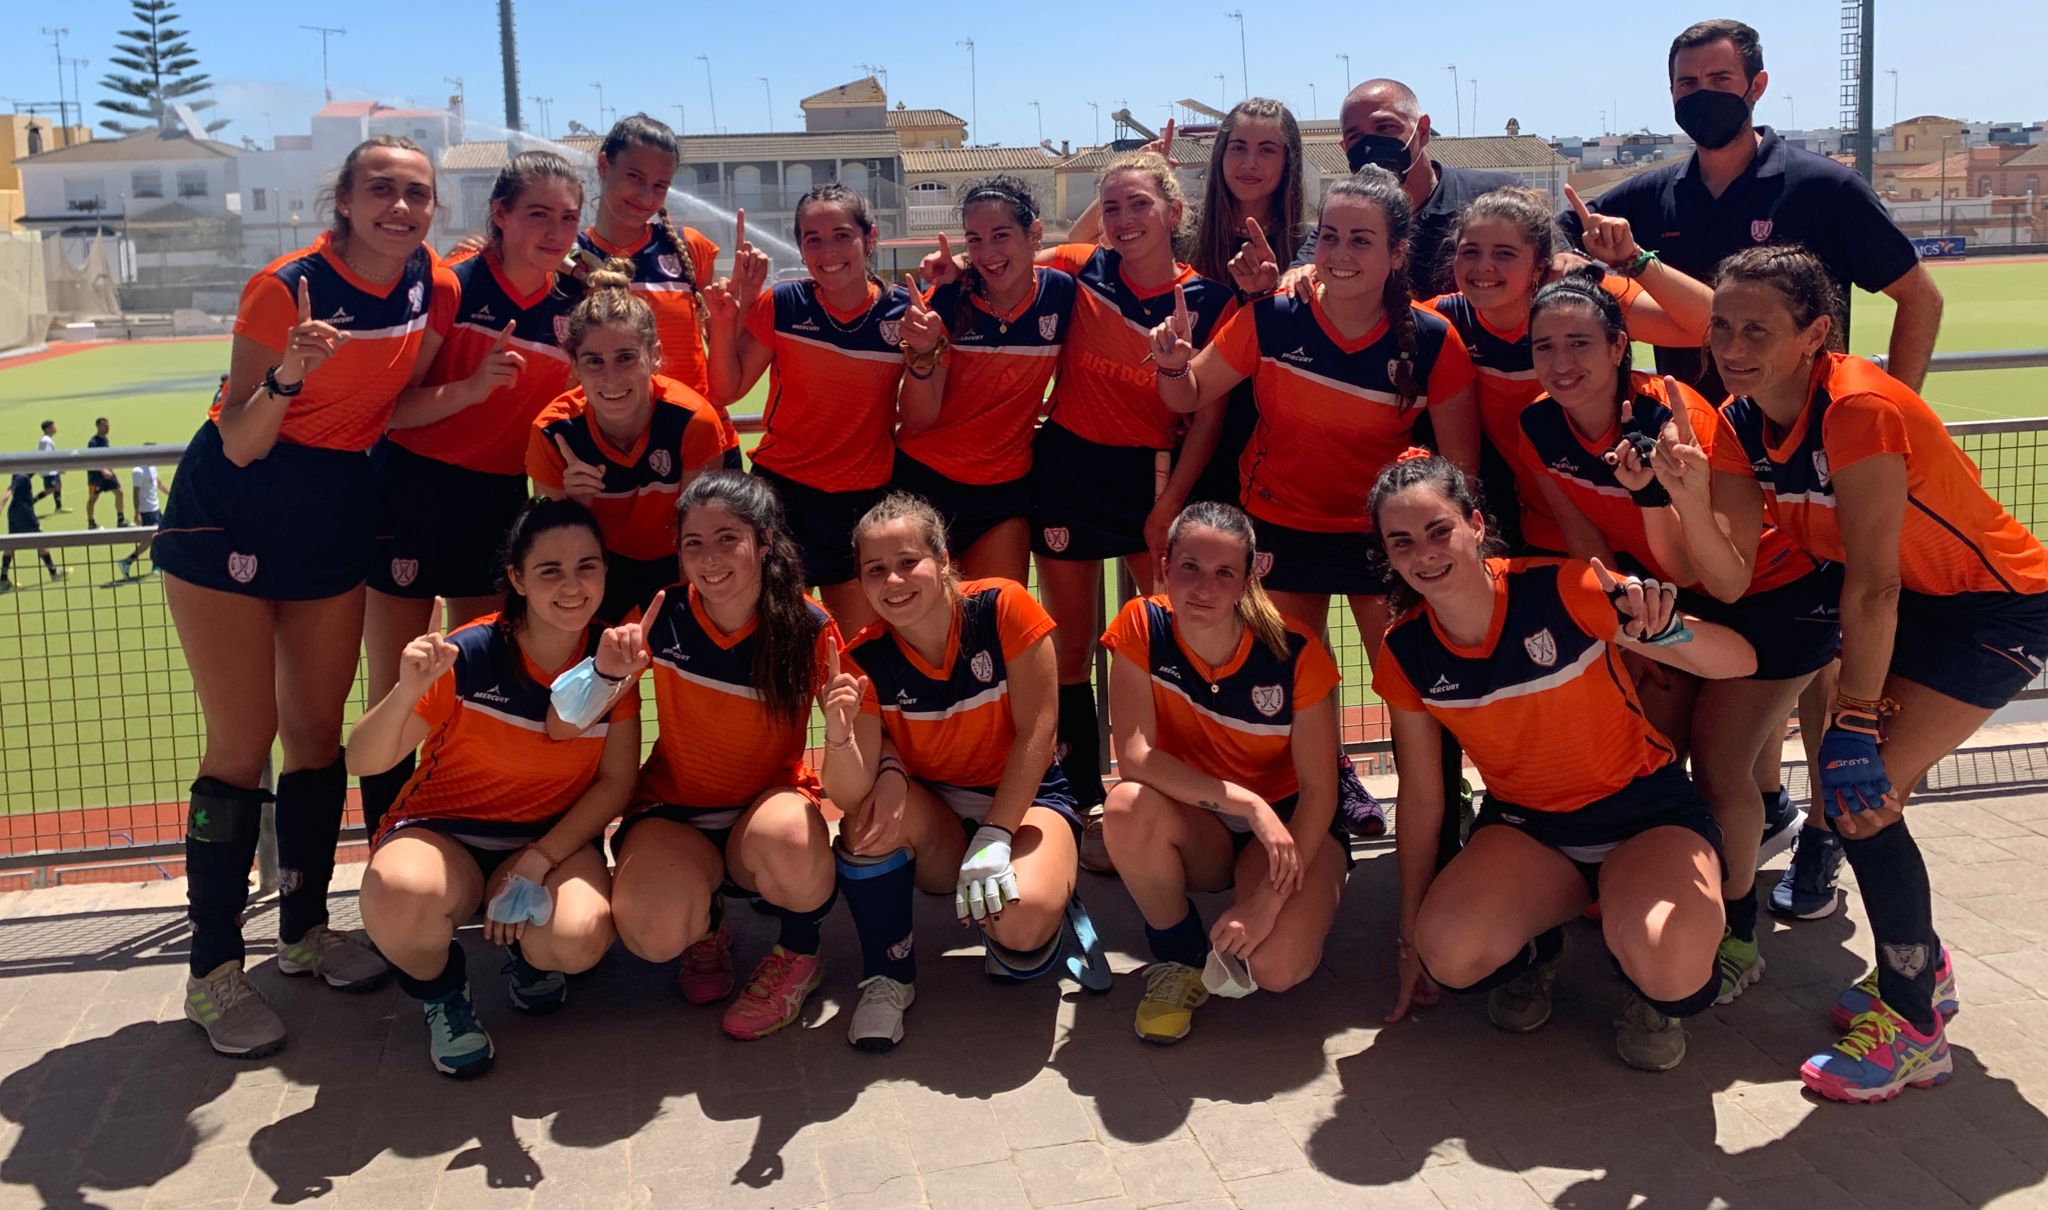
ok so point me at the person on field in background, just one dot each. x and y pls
(102, 479)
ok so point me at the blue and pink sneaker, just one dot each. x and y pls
(1857, 999)
(1877, 1058)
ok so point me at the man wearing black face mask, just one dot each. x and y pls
(1744, 186)
(1383, 124)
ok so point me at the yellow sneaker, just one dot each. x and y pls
(1172, 994)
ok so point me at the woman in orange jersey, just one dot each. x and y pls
(671, 264)
(1944, 613)
(1586, 435)
(625, 439)
(1520, 658)
(264, 547)
(451, 473)
(496, 798)
(939, 748)
(835, 343)
(1226, 739)
(738, 656)
(983, 350)
(1500, 250)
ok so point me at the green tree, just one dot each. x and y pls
(162, 63)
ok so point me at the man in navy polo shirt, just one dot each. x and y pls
(1744, 186)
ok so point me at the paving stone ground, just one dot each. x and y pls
(1022, 1097)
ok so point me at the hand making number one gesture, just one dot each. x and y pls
(1680, 460)
(1255, 268)
(622, 650)
(1605, 237)
(310, 342)
(840, 698)
(580, 480)
(1172, 347)
(922, 328)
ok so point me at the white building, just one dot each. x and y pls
(284, 201)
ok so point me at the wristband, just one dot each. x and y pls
(272, 386)
(602, 675)
(1636, 267)
(839, 745)
(1651, 495)
(1163, 372)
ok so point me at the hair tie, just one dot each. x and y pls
(1414, 452)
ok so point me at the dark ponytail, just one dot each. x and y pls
(538, 517)
(1015, 197)
(1420, 467)
(1582, 288)
(1378, 186)
(786, 632)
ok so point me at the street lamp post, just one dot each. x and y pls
(1221, 96)
(681, 114)
(710, 91)
(1475, 105)
(1097, 107)
(1791, 113)
(1457, 100)
(1893, 72)
(1314, 110)
(57, 37)
(325, 32)
(1243, 62)
(1944, 183)
(600, 103)
(973, 87)
(1347, 72)
(1039, 111)
(770, 93)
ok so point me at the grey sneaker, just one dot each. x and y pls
(1522, 1004)
(344, 962)
(233, 1013)
(1647, 1039)
(877, 1022)
(1095, 856)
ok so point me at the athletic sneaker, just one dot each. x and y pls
(1859, 996)
(706, 974)
(1740, 965)
(1807, 891)
(57, 573)
(535, 992)
(877, 1022)
(1361, 813)
(1782, 822)
(1095, 856)
(344, 962)
(1646, 1039)
(6, 585)
(127, 567)
(1522, 1004)
(237, 1020)
(1172, 994)
(775, 995)
(456, 1040)
(1879, 1056)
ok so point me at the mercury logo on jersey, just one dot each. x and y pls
(1444, 684)
(341, 316)
(492, 695)
(483, 315)
(1300, 355)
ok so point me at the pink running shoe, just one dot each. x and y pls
(706, 975)
(1860, 995)
(775, 995)
(1879, 1056)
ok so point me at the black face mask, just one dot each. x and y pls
(1713, 119)
(1385, 150)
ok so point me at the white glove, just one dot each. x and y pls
(986, 880)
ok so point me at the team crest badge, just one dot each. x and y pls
(1820, 468)
(404, 571)
(416, 297)
(1907, 960)
(1542, 647)
(1056, 537)
(561, 329)
(659, 462)
(671, 265)
(983, 667)
(241, 567)
(1048, 326)
(1262, 563)
(1268, 699)
(1760, 229)
(892, 331)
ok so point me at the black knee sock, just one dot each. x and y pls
(799, 933)
(1186, 942)
(1543, 947)
(1893, 879)
(1741, 912)
(220, 843)
(878, 891)
(441, 986)
(1080, 744)
(1691, 1006)
(380, 790)
(309, 806)
(49, 563)
(1456, 814)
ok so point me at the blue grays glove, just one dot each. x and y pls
(987, 882)
(581, 695)
(521, 900)
(1852, 775)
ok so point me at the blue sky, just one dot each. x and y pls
(1556, 73)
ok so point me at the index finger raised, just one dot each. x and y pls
(504, 337)
(1578, 204)
(945, 246)
(305, 302)
(654, 608)
(1681, 415)
(1166, 140)
(1607, 581)
(1180, 304)
(739, 227)
(569, 457)
(832, 656)
(1258, 237)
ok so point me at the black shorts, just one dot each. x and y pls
(1795, 628)
(715, 823)
(491, 843)
(1089, 502)
(822, 524)
(1222, 480)
(149, 520)
(1977, 647)
(1302, 560)
(294, 525)
(1499, 496)
(23, 522)
(971, 803)
(630, 584)
(1665, 798)
(1284, 808)
(101, 481)
(53, 479)
(970, 510)
(440, 527)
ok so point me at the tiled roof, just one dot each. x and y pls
(865, 91)
(489, 156)
(134, 148)
(899, 118)
(977, 159)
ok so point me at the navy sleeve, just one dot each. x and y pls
(1307, 252)
(1869, 244)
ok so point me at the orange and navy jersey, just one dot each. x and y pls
(488, 756)
(996, 374)
(1329, 418)
(348, 400)
(1542, 705)
(490, 436)
(832, 386)
(951, 722)
(671, 288)
(636, 511)
(1504, 373)
(718, 746)
(1107, 392)
(1955, 537)
(1234, 721)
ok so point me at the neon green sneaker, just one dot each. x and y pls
(1740, 966)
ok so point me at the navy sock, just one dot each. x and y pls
(221, 827)
(1893, 879)
(441, 986)
(1543, 947)
(380, 790)
(800, 929)
(877, 891)
(309, 806)
(1080, 744)
(1186, 942)
(1741, 912)
(1692, 1005)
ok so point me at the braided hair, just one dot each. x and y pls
(1015, 197)
(639, 130)
(1379, 187)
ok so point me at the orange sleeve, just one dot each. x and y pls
(1020, 619)
(1128, 634)
(267, 313)
(1453, 370)
(1237, 340)
(703, 442)
(628, 705)
(759, 320)
(1862, 426)
(1579, 588)
(703, 254)
(1727, 453)
(1068, 258)
(543, 461)
(447, 298)
(437, 705)
(1624, 290)
(1391, 683)
(1315, 673)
